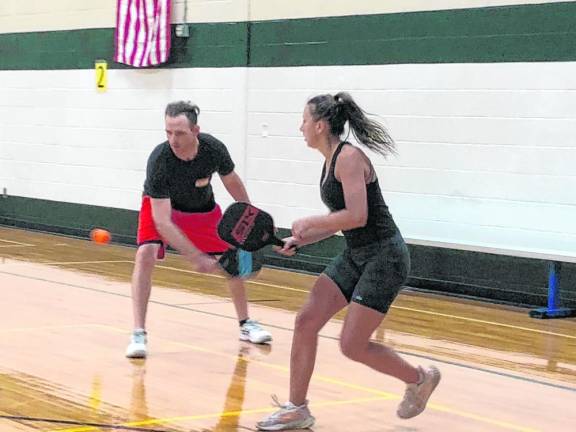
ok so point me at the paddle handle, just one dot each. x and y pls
(277, 242)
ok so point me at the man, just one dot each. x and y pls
(178, 208)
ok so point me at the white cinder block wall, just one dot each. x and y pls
(486, 151)
(63, 141)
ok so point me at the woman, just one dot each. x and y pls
(367, 275)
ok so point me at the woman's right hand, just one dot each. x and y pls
(289, 248)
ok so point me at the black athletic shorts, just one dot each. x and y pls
(372, 275)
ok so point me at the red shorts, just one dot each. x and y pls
(200, 228)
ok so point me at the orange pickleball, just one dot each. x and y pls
(100, 236)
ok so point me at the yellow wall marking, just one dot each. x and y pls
(101, 67)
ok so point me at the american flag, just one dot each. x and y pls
(142, 36)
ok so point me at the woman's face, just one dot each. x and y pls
(310, 128)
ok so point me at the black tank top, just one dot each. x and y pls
(380, 225)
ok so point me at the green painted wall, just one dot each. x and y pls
(500, 34)
(543, 32)
(68, 218)
(210, 45)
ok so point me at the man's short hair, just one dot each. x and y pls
(190, 110)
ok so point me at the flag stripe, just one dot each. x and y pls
(131, 34)
(154, 46)
(136, 35)
(165, 39)
(127, 25)
(142, 35)
(123, 18)
(142, 62)
(168, 31)
(159, 32)
(116, 32)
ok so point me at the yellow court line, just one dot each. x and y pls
(251, 282)
(395, 307)
(283, 287)
(15, 246)
(86, 262)
(161, 421)
(379, 393)
(486, 322)
(16, 243)
(25, 329)
(499, 423)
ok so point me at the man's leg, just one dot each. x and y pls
(141, 287)
(250, 330)
(202, 230)
(239, 265)
(238, 292)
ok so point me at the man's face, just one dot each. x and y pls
(180, 133)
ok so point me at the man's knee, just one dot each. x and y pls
(146, 255)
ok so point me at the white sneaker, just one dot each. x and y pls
(289, 416)
(417, 395)
(137, 347)
(252, 332)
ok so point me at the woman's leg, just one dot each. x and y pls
(324, 301)
(355, 342)
(360, 323)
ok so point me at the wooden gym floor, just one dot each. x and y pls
(66, 316)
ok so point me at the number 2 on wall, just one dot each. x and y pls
(101, 75)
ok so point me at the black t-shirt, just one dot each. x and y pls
(187, 183)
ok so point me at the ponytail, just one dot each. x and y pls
(341, 108)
